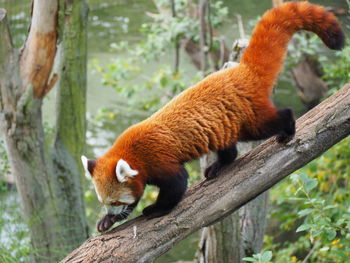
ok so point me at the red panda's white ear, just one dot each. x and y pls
(88, 166)
(124, 171)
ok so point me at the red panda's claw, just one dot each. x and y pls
(212, 171)
(105, 223)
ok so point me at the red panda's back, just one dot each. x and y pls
(209, 115)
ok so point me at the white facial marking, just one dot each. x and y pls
(97, 193)
(114, 210)
(99, 197)
(109, 200)
(124, 171)
(85, 160)
(127, 198)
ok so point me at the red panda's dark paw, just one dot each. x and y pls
(212, 171)
(106, 223)
(288, 126)
(153, 211)
(284, 138)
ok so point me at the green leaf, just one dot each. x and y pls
(303, 227)
(249, 259)
(266, 256)
(331, 234)
(308, 183)
(306, 212)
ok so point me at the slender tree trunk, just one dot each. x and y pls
(48, 185)
(69, 139)
(176, 45)
(238, 235)
(202, 11)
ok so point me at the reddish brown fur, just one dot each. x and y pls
(221, 109)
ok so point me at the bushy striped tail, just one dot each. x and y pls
(268, 45)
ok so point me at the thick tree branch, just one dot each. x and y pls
(207, 202)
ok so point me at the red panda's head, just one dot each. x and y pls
(116, 183)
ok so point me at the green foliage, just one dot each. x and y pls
(336, 70)
(305, 44)
(4, 162)
(6, 257)
(315, 203)
(166, 29)
(128, 78)
(263, 257)
(4, 166)
(337, 74)
(14, 234)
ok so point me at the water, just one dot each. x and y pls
(112, 21)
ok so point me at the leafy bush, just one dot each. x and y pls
(315, 203)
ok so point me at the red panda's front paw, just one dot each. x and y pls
(212, 171)
(106, 223)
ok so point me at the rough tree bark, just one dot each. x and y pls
(48, 181)
(207, 202)
(238, 235)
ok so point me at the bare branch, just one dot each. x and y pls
(6, 46)
(8, 69)
(40, 48)
(209, 201)
(203, 9)
(177, 44)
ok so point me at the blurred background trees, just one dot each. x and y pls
(146, 52)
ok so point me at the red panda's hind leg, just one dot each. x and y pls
(282, 125)
(171, 190)
(287, 123)
(225, 157)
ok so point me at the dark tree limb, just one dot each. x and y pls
(207, 202)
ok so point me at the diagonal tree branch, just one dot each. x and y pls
(142, 240)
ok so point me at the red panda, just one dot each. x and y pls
(227, 106)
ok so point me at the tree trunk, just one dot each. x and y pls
(207, 202)
(49, 191)
(238, 235)
(69, 139)
(307, 77)
(203, 50)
